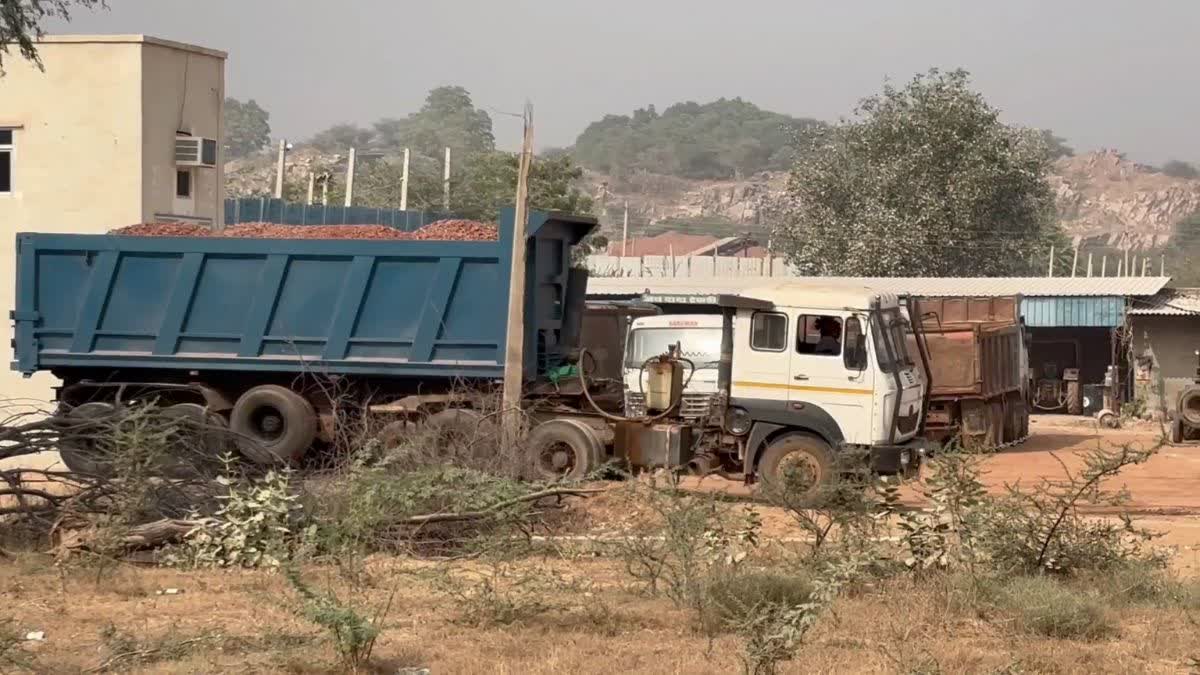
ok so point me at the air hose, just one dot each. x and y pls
(587, 394)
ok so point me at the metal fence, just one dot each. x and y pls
(269, 210)
(687, 266)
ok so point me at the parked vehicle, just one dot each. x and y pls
(256, 333)
(979, 369)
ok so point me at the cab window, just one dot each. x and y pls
(819, 335)
(768, 332)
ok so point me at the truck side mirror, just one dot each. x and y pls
(854, 352)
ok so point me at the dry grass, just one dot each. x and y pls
(247, 623)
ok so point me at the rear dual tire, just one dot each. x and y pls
(274, 425)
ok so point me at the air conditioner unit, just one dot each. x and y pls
(195, 151)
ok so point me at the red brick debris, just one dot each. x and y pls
(441, 230)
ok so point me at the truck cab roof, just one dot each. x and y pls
(823, 295)
(679, 321)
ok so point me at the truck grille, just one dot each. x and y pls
(693, 406)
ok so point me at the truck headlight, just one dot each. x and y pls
(737, 421)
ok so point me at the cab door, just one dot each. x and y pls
(762, 357)
(830, 380)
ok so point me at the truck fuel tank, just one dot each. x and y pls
(653, 446)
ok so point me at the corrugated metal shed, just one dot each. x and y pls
(1042, 312)
(1169, 302)
(1116, 287)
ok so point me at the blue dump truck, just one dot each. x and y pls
(256, 334)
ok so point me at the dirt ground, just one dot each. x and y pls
(99, 619)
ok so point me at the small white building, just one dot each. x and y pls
(115, 130)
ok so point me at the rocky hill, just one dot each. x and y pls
(1102, 197)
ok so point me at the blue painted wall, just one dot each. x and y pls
(1104, 311)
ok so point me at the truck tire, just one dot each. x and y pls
(462, 432)
(273, 425)
(203, 437)
(996, 425)
(1177, 431)
(1074, 398)
(79, 453)
(800, 464)
(562, 449)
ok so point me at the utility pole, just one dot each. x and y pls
(1127, 264)
(514, 357)
(1145, 264)
(280, 167)
(1050, 269)
(1089, 264)
(1075, 261)
(446, 183)
(1104, 265)
(312, 184)
(350, 178)
(625, 232)
(404, 183)
(325, 190)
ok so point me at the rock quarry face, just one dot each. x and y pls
(1101, 196)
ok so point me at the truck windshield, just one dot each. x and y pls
(701, 346)
(891, 341)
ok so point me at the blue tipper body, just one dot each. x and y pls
(389, 308)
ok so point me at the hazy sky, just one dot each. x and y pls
(1102, 73)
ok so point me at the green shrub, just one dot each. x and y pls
(1145, 585)
(1046, 607)
(734, 599)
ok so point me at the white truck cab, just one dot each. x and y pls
(809, 369)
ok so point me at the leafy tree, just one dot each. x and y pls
(341, 137)
(1180, 169)
(21, 23)
(924, 181)
(727, 138)
(486, 183)
(247, 127)
(448, 119)
(1056, 146)
(1182, 253)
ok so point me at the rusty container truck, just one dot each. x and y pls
(978, 367)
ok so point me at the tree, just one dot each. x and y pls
(1182, 253)
(448, 119)
(21, 23)
(1180, 169)
(247, 127)
(924, 181)
(485, 184)
(341, 137)
(1056, 146)
(727, 138)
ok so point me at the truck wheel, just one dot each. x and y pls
(79, 452)
(201, 439)
(462, 432)
(1177, 431)
(1074, 398)
(562, 450)
(995, 433)
(797, 464)
(273, 424)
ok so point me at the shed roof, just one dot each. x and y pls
(928, 286)
(1169, 302)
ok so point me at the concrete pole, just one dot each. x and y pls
(404, 183)
(625, 231)
(514, 361)
(1162, 266)
(1089, 264)
(1126, 265)
(1104, 266)
(671, 252)
(325, 191)
(446, 182)
(1145, 265)
(280, 167)
(312, 184)
(1075, 261)
(1120, 267)
(350, 177)
(1050, 269)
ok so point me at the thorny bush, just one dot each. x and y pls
(353, 634)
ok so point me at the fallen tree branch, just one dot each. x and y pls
(492, 510)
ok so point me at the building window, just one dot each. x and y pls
(183, 184)
(6, 163)
(768, 332)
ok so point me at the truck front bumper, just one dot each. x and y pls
(904, 459)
